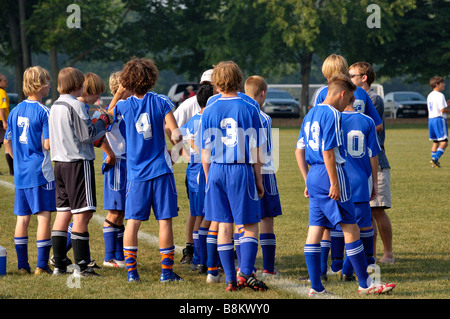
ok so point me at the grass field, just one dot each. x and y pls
(420, 219)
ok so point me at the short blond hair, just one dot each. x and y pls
(69, 80)
(254, 85)
(227, 76)
(114, 82)
(34, 79)
(93, 84)
(334, 64)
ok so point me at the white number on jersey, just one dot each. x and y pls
(314, 129)
(355, 144)
(143, 126)
(25, 123)
(230, 125)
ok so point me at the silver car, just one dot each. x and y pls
(405, 104)
(280, 103)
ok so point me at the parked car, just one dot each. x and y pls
(405, 104)
(280, 103)
(177, 91)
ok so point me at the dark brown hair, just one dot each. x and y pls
(139, 75)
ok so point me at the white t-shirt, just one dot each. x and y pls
(436, 102)
(186, 110)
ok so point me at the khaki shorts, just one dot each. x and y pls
(383, 199)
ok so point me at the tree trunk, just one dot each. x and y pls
(54, 72)
(305, 61)
(15, 48)
(26, 54)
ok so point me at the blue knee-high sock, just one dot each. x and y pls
(439, 153)
(110, 239)
(268, 246)
(347, 267)
(312, 258)
(43, 247)
(196, 259)
(337, 249)
(325, 246)
(21, 244)
(226, 254)
(367, 238)
(212, 259)
(355, 252)
(118, 255)
(202, 233)
(249, 250)
(69, 237)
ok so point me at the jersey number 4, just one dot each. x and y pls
(143, 126)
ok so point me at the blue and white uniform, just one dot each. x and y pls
(361, 143)
(321, 131)
(230, 128)
(33, 171)
(194, 171)
(149, 166)
(437, 120)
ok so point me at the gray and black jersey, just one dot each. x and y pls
(72, 132)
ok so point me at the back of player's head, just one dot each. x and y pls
(93, 84)
(34, 79)
(334, 64)
(114, 82)
(435, 80)
(227, 76)
(366, 69)
(339, 83)
(69, 80)
(254, 85)
(204, 93)
(139, 75)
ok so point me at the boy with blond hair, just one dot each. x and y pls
(27, 140)
(72, 138)
(231, 136)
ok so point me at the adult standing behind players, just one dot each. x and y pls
(4, 111)
(363, 75)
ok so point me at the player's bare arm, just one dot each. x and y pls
(330, 164)
(8, 147)
(303, 166)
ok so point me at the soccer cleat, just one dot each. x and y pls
(251, 282)
(170, 277)
(376, 289)
(133, 276)
(58, 271)
(88, 272)
(67, 261)
(269, 274)
(93, 264)
(120, 263)
(345, 277)
(24, 271)
(111, 263)
(40, 271)
(211, 279)
(319, 294)
(188, 254)
(435, 163)
(232, 286)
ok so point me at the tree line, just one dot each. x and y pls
(267, 37)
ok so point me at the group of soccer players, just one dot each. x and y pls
(230, 177)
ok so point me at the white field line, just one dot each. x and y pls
(279, 282)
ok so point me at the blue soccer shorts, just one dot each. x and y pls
(159, 194)
(114, 187)
(438, 129)
(34, 200)
(231, 195)
(270, 203)
(363, 214)
(324, 211)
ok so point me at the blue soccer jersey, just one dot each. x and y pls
(363, 103)
(321, 131)
(146, 149)
(27, 130)
(195, 168)
(361, 143)
(231, 130)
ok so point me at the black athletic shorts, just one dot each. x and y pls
(75, 186)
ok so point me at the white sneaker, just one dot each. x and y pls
(376, 289)
(211, 279)
(110, 263)
(121, 263)
(320, 294)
